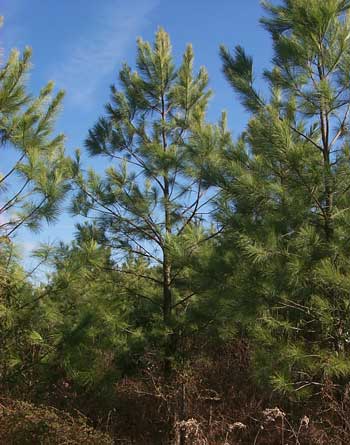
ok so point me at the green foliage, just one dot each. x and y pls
(151, 206)
(25, 324)
(34, 185)
(196, 240)
(91, 326)
(284, 200)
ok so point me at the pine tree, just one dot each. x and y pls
(33, 183)
(32, 187)
(286, 197)
(88, 329)
(152, 204)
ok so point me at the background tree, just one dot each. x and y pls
(34, 184)
(285, 196)
(89, 329)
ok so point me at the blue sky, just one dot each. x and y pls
(81, 44)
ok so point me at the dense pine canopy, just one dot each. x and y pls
(204, 299)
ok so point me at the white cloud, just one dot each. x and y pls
(95, 55)
(27, 246)
(11, 32)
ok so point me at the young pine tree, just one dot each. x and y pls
(286, 197)
(35, 182)
(34, 177)
(152, 205)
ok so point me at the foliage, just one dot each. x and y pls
(206, 298)
(285, 194)
(35, 183)
(151, 207)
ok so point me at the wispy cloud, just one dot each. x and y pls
(11, 33)
(95, 54)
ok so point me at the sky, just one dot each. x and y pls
(81, 44)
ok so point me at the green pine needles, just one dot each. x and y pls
(287, 182)
(195, 252)
(35, 183)
(152, 204)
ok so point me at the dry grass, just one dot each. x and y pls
(22, 423)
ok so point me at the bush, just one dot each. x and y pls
(22, 423)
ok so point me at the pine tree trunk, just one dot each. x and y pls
(167, 303)
(324, 125)
(171, 341)
(182, 438)
(167, 297)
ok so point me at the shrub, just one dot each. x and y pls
(22, 423)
